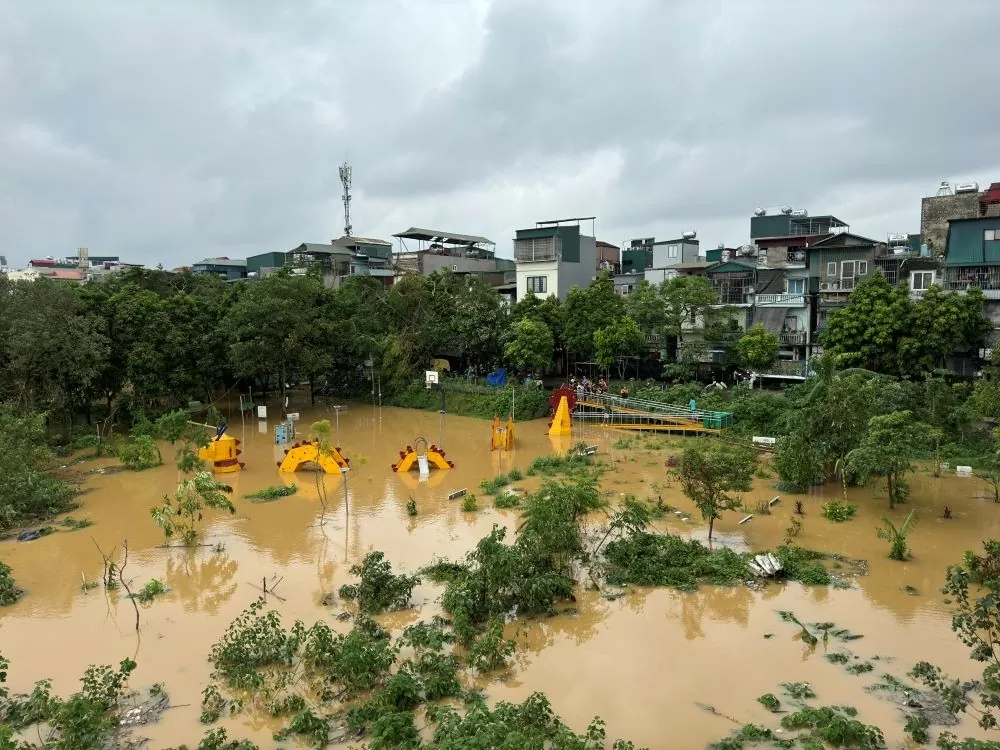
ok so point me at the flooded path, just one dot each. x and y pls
(642, 662)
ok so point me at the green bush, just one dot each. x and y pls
(273, 493)
(839, 512)
(379, 589)
(139, 453)
(9, 592)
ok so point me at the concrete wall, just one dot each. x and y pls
(579, 274)
(458, 264)
(547, 268)
(934, 215)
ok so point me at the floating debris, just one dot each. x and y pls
(765, 566)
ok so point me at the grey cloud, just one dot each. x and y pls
(166, 132)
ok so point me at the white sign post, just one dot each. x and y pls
(261, 412)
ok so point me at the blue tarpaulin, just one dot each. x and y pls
(498, 377)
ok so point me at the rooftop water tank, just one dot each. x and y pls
(944, 189)
(760, 212)
(786, 210)
(967, 187)
(800, 212)
(689, 235)
(899, 239)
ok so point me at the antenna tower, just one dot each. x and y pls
(345, 178)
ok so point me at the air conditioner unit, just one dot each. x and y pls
(829, 286)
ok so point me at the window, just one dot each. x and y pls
(538, 284)
(454, 266)
(862, 267)
(673, 251)
(847, 269)
(991, 234)
(791, 324)
(831, 269)
(921, 281)
(796, 286)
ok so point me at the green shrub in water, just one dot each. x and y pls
(139, 453)
(469, 503)
(379, 589)
(150, 591)
(9, 592)
(838, 512)
(272, 493)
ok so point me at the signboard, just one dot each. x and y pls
(764, 440)
(261, 412)
(280, 434)
(431, 377)
(293, 416)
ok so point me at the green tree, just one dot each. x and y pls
(531, 346)
(687, 302)
(588, 310)
(616, 343)
(711, 475)
(482, 322)
(27, 491)
(646, 307)
(867, 331)
(758, 348)
(55, 349)
(886, 451)
(973, 587)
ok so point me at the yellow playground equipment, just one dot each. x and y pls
(423, 458)
(222, 451)
(502, 435)
(331, 461)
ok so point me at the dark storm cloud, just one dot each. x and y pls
(167, 132)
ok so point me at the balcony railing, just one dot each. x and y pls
(960, 278)
(797, 369)
(792, 338)
(780, 300)
(537, 249)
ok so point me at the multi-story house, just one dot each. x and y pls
(553, 257)
(229, 269)
(346, 256)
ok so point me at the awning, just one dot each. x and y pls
(772, 318)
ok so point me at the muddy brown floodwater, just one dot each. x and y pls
(643, 662)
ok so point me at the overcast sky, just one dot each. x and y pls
(171, 131)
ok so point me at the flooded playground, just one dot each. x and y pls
(643, 662)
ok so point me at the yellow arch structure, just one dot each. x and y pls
(305, 452)
(435, 460)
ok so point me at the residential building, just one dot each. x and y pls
(345, 256)
(973, 258)
(637, 256)
(425, 251)
(964, 201)
(229, 269)
(553, 257)
(608, 257)
(3, 265)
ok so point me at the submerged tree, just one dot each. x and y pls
(180, 514)
(886, 451)
(711, 475)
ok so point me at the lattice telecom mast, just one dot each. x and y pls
(345, 178)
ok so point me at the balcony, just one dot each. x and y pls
(792, 338)
(537, 249)
(960, 278)
(780, 300)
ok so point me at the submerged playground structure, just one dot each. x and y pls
(422, 458)
(632, 414)
(332, 461)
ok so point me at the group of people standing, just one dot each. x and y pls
(586, 385)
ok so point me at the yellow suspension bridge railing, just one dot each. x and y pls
(640, 414)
